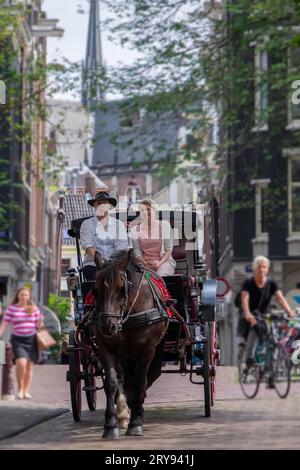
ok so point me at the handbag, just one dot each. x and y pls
(44, 339)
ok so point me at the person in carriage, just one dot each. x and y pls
(101, 233)
(152, 241)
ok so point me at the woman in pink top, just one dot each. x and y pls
(25, 318)
(152, 241)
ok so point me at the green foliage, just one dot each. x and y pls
(189, 53)
(61, 306)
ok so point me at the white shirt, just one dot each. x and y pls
(107, 242)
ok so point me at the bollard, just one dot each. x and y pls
(7, 392)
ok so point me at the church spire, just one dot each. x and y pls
(94, 59)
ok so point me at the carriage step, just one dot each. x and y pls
(71, 349)
(90, 388)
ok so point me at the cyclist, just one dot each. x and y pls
(256, 295)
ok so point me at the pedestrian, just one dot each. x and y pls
(152, 241)
(26, 320)
(256, 294)
(102, 233)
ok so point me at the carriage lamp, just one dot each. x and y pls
(200, 270)
(72, 279)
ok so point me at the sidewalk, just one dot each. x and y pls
(19, 415)
(50, 399)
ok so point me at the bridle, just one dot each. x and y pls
(123, 315)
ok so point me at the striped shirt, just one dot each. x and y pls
(23, 324)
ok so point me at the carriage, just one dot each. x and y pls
(190, 344)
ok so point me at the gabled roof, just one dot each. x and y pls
(75, 207)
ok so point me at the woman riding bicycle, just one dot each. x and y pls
(256, 295)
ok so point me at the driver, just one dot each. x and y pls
(101, 233)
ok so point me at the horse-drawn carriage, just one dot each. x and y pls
(172, 333)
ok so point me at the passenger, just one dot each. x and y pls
(101, 233)
(26, 320)
(152, 241)
(256, 295)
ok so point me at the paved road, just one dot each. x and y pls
(173, 419)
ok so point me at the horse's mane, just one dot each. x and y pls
(121, 260)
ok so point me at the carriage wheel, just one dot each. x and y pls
(89, 382)
(75, 379)
(206, 375)
(213, 349)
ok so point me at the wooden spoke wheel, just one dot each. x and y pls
(213, 361)
(206, 370)
(89, 382)
(74, 378)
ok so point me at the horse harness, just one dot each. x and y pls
(128, 320)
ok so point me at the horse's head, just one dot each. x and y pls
(111, 291)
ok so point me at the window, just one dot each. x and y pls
(261, 207)
(294, 195)
(261, 88)
(262, 210)
(293, 68)
(65, 265)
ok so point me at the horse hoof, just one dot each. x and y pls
(123, 423)
(111, 433)
(135, 431)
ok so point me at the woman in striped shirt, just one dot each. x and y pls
(25, 318)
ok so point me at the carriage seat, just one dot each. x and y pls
(179, 254)
(179, 287)
(74, 231)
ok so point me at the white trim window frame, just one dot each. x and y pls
(261, 64)
(294, 195)
(261, 186)
(293, 120)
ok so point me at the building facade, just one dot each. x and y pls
(28, 245)
(262, 217)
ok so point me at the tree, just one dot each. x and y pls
(195, 51)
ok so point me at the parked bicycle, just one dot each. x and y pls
(272, 363)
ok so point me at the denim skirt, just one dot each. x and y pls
(25, 347)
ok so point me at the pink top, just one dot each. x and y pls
(23, 323)
(151, 243)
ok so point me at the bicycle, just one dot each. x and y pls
(272, 363)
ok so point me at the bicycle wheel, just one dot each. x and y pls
(249, 378)
(281, 371)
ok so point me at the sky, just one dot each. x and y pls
(73, 44)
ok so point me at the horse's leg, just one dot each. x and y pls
(156, 364)
(111, 426)
(123, 411)
(135, 427)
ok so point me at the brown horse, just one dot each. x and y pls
(129, 322)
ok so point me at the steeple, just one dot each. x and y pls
(94, 59)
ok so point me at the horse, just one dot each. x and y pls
(129, 322)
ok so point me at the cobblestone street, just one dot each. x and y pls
(174, 418)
